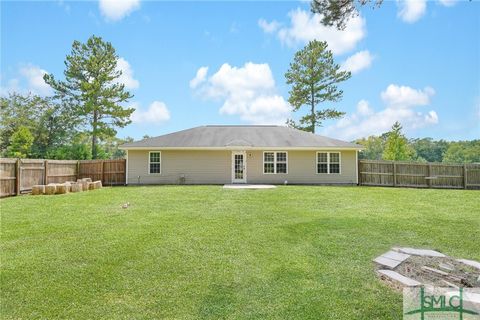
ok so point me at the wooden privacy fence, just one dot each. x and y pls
(19, 175)
(422, 175)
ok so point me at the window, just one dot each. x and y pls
(269, 162)
(154, 162)
(275, 162)
(328, 162)
(322, 162)
(281, 165)
(334, 162)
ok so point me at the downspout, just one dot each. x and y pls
(356, 164)
(126, 167)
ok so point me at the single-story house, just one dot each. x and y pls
(223, 154)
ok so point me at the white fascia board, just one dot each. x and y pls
(230, 148)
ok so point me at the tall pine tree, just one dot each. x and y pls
(314, 76)
(91, 85)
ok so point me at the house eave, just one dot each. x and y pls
(230, 148)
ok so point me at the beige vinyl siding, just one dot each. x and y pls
(215, 167)
(198, 167)
(302, 169)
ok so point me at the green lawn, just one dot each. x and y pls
(201, 252)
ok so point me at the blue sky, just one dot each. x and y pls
(196, 63)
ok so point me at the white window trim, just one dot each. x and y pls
(328, 162)
(148, 169)
(274, 161)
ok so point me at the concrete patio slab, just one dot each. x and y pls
(249, 186)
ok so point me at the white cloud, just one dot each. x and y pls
(114, 10)
(34, 77)
(12, 85)
(268, 27)
(363, 108)
(305, 26)
(431, 117)
(200, 77)
(127, 74)
(29, 78)
(357, 62)
(411, 11)
(448, 3)
(157, 112)
(248, 91)
(400, 106)
(405, 96)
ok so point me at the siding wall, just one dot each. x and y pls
(199, 167)
(301, 169)
(214, 167)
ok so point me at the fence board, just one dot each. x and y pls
(422, 175)
(90, 169)
(114, 172)
(60, 171)
(31, 173)
(39, 171)
(111, 172)
(7, 177)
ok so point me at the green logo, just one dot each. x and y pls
(442, 300)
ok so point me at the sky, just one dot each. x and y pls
(223, 62)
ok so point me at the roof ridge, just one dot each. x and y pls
(243, 125)
(247, 135)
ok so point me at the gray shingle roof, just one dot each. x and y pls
(218, 136)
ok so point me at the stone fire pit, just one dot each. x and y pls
(410, 267)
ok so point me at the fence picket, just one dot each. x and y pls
(422, 175)
(19, 175)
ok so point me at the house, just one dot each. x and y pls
(222, 154)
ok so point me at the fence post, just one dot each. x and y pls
(465, 176)
(45, 172)
(358, 173)
(429, 175)
(17, 177)
(103, 172)
(125, 166)
(78, 169)
(394, 174)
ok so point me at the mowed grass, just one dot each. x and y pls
(202, 252)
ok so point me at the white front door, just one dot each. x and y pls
(239, 167)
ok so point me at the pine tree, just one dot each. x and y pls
(396, 146)
(314, 76)
(338, 12)
(91, 84)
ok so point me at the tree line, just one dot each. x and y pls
(393, 145)
(42, 128)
